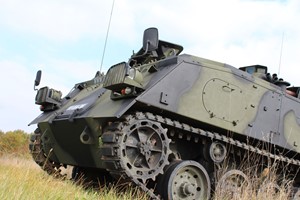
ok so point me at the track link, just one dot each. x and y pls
(38, 155)
(111, 144)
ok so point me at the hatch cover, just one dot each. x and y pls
(224, 100)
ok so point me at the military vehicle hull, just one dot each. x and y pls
(185, 116)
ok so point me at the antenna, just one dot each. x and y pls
(111, 12)
(280, 54)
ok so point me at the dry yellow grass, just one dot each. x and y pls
(22, 179)
(260, 183)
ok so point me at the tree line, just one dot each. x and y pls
(14, 143)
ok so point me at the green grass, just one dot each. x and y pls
(22, 179)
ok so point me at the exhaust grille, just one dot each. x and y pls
(41, 96)
(115, 75)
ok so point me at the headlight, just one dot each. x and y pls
(55, 94)
(135, 75)
(121, 76)
(46, 95)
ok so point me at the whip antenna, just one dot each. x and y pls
(111, 12)
(280, 53)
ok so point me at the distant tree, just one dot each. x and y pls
(14, 142)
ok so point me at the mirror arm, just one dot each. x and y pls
(35, 84)
(146, 51)
(37, 79)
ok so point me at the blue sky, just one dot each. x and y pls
(65, 39)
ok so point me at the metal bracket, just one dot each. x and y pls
(164, 98)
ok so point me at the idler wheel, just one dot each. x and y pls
(36, 150)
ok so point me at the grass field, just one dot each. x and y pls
(21, 178)
(257, 187)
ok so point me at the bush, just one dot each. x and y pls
(14, 142)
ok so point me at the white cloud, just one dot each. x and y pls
(17, 97)
(238, 32)
(64, 74)
(17, 100)
(57, 20)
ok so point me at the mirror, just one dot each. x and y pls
(150, 39)
(37, 79)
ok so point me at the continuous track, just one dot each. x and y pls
(35, 147)
(112, 143)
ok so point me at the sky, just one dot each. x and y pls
(65, 39)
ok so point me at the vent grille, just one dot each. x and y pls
(41, 95)
(115, 75)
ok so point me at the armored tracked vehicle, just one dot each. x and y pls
(166, 121)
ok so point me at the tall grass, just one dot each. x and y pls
(23, 179)
(260, 181)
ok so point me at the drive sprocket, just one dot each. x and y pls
(142, 147)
